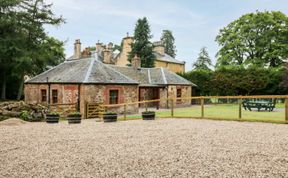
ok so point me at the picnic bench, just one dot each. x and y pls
(259, 104)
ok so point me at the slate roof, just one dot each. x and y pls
(86, 70)
(152, 76)
(167, 58)
(93, 71)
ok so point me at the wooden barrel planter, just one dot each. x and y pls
(74, 118)
(148, 115)
(52, 118)
(110, 117)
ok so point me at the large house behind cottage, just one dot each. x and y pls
(90, 80)
(120, 58)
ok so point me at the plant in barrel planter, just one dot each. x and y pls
(110, 117)
(74, 118)
(148, 115)
(52, 117)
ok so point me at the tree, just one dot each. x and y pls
(203, 61)
(254, 39)
(26, 49)
(142, 47)
(203, 80)
(168, 40)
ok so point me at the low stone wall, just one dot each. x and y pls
(15, 108)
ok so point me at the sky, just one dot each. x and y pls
(194, 23)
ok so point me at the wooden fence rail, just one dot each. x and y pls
(202, 98)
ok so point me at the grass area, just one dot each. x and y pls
(221, 112)
(226, 111)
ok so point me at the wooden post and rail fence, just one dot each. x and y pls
(101, 108)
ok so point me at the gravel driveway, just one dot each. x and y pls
(161, 148)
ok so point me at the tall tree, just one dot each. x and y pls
(254, 39)
(168, 41)
(26, 49)
(142, 47)
(203, 61)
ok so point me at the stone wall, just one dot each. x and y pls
(67, 93)
(185, 92)
(100, 94)
(167, 92)
(163, 94)
(174, 67)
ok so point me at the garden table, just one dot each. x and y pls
(262, 104)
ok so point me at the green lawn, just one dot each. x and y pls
(221, 111)
(226, 111)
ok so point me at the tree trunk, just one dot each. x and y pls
(3, 87)
(20, 89)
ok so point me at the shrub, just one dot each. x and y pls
(24, 115)
(148, 112)
(75, 114)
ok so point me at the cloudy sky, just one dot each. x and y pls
(194, 23)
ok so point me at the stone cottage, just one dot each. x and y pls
(90, 80)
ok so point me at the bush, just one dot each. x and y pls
(30, 117)
(24, 115)
(237, 80)
(75, 114)
(148, 112)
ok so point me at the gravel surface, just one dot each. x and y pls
(160, 148)
(12, 122)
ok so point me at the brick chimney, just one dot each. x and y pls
(159, 47)
(136, 62)
(122, 60)
(77, 49)
(107, 56)
(110, 46)
(86, 53)
(99, 47)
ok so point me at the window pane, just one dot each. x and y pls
(113, 97)
(43, 95)
(178, 93)
(54, 96)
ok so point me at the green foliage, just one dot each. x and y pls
(284, 77)
(110, 113)
(168, 41)
(236, 80)
(54, 113)
(202, 78)
(30, 116)
(74, 114)
(25, 47)
(24, 115)
(142, 46)
(254, 39)
(148, 112)
(92, 48)
(203, 61)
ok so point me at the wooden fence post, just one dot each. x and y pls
(202, 107)
(240, 108)
(125, 111)
(146, 106)
(86, 110)
(172, 108)
(286, 109)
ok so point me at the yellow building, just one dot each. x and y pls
(162, 59)
(108, 56)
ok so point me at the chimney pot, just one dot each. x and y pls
(159, 47)
(136, 62)
(77, 49)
